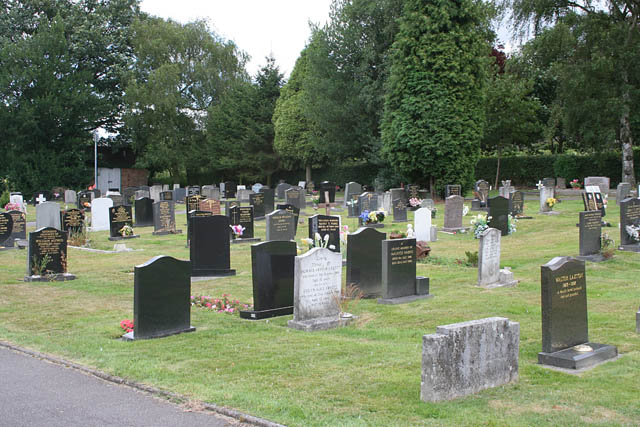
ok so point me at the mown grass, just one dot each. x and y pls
(364, 374)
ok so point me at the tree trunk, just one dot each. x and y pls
(497, 170)
(308, 174)
(626, 138)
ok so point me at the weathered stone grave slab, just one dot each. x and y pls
(489, 273)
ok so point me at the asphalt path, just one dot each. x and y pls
(34, 392)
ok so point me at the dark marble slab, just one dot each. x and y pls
(210, 247)
(364, 261)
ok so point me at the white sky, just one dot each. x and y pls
(258, 27)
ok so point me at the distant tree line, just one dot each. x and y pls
(418, 89)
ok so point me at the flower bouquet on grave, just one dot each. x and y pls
(220, 305)
(511, 224)
(125, 231)
(315, 198)
(551, 202)
(127, 325)
(11, 207)
(305, 246)
(414, 202)
(633, 231)
(479, 224)
(236, 231)
(372, 217)
(575, 184)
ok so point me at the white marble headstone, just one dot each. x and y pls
(422, 220)
(489, 257)
(100, 213)
(317, 286)
(18, 200)
(545, 193)
(154, 192)
(48, 215)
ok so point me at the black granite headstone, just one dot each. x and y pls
(280, 190)
(499, 214)
(590, 231)
(281, 225)
(364, 260)
(72, 221)
(190, 215)
(295, 196)
(589, 202)
(399, 210)
(453, 190)
(413, 191)
(144, 212)
(193, 190)
(330, 187)
(19, 230)
(84, 199)
(564, 317)
(210, 247)
(161, 298)
(269, 199)
(193, 202)
(164, 218)
(368, 202)
(326, 225)
(6, 229)
(600, 204)
(257, 201)
(629, 216)
(398, 268)
(272, 269)
(242, 216)
(230, 189)
(119, 216)
(47, 252)
(129, 194)
(166, 195)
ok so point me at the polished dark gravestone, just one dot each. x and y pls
(399, 284)
(47, 256)
(413, 191)
(629, 225)
(72, 221)
(590, 227)
(193, 202)
(257, 201)
(353, 208)
(272, 267)
(364, 261)
(565, 332)
(600, 204)
(119, 217)
(453, 190)
(516, 205)
(368, 202)
(269, 199)
(589, 201)
(326, 225)
(330, 187)
(399, 210)
(230, 189)
(6, 230)
(161, 298)
(19, 230)
(499, 214)
(210, 247)
(292, 209)
(166, 195)
(243, 216)
(84, 199)
(281, 189)
(295, 196)
(164, 218)
(192, 214)
(144, 212)
(281, 225)
(129, 194)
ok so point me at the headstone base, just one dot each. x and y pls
(523, 217)
(572, 359)
(212, 273)
(630, 248)
(549, 213)
(130, 336)
(591, 258)
(164, 233)
(7, 248)
(399, 220)
(505, 280)
(115, 239)
(376, 225)
(249, 240)
(22, 243)
(265, 314)
(478, 205)
(403, 300)
(454, 230)
(319, 324)
(60, 277)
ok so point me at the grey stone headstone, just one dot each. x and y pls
(549, 182)
(364, 260)
(207, 191)
(317, 288)
(100, 213)
(545, 193)
(447, 370)
(482, 188)
(399, 193)
(368, 202)
(48, 215)
(243, 195)
(281, 225)
(166, 196)
(70, 196)
(164, 217)
(561, 183)
(601, 181)
(179, 194)
(280, 189)
(350, 189)
(399, 211)
(629, 215)
(453, 213)
(176, 186)
(622, 191)
(489, 257)
(295, 196)
(154, 192)
(427, 203)
(139, 194)
(129, 195)
(387, 203)
(516, 203)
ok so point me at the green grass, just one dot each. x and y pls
(364, 374)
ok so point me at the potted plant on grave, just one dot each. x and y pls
(607, 246)
(372, 219)
(575, 184)
(126, 231)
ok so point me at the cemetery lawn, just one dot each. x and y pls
(364, 374)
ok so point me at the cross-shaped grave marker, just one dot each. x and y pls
(41, 198)
(326, 205)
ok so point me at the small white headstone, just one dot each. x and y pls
(154, 192)
(317, 289)
(100, 213)
(70, 196)
(17, 199)
(489, 257)
(422, 219)
(545, 194)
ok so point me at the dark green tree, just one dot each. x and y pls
(61, 71)
(434, 114)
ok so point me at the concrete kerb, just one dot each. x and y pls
(170, 396)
